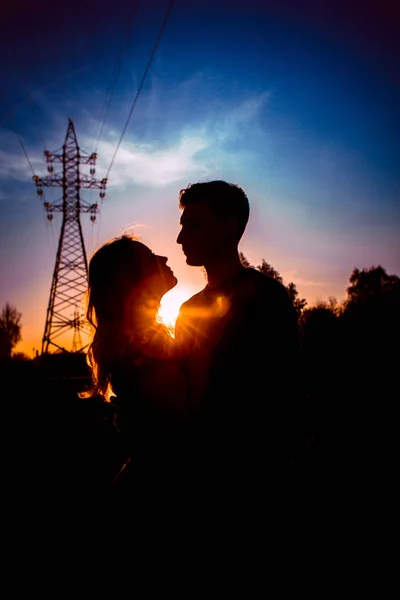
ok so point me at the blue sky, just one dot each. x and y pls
(298, 106)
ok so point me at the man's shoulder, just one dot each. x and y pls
(189, 314)
(191, 308)
(194, 300)
(264, 284)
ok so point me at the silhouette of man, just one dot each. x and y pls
(240, 342)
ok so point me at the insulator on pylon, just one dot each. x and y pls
(102, 195)
(104, 181)
(36, 178)
(93, 218)
(50, 169)
(94, 207)
(92, 171)
(50, 217)
(40, 192)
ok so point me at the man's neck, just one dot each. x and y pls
(222, 272)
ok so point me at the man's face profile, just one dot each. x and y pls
(201, 235)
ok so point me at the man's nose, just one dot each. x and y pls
(179, 238)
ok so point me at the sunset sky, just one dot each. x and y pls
(299, 106)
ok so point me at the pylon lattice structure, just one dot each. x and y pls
(65, 313)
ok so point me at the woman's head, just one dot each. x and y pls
(126, 284)
(125, 274)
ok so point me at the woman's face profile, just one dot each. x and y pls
(163, 278)
(156, 277)
(128, 266)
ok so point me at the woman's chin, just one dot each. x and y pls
(171, 283)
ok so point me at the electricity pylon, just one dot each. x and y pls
(65, 312)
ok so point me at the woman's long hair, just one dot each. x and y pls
(122, 312)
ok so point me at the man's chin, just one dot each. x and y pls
(193, 263)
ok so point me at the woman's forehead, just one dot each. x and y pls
(144, 250)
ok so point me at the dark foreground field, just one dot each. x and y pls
(56, 442)
(58, 445)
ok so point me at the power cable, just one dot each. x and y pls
(20, 139)
(160, 34)
(117, 70)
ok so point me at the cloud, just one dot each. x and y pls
(235, 123)
(311, 283)
(183, 143)
(196, 150)
(292, 276)
(14, 165)
(145, 164)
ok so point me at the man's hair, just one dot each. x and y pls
(224, 199)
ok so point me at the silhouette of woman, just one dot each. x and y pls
(134, 361)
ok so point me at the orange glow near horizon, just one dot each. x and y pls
(33, 321)
(171, 303)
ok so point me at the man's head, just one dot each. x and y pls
(214, 218)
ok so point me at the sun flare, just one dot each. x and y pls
(171, 303)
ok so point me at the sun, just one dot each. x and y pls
(171, 303)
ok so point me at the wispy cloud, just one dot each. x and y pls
(14, 165)
(311, 283)
(194, 150)
(295, 277)
(234, 124)
(182, 144)
(145, 164)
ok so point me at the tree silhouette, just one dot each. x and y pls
(331, 304)
(244, 260)
(10, 330)
(370, 329)
(268, 269)
(298, 303)
(318, 326)
(371, 286)
(334, 306)
(370, 318)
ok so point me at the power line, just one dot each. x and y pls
(160, 34)
(29, 96)
(20, 139)
(117, 69)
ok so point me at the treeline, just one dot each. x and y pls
(356, 341)
(351, 361)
